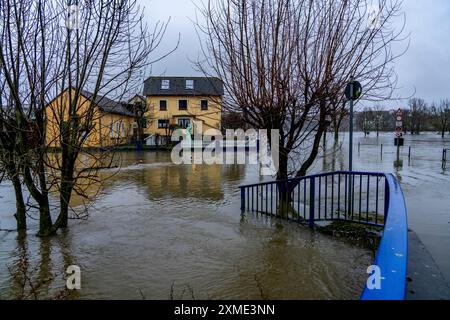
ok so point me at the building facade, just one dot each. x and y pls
(112, 123)
(176, 102)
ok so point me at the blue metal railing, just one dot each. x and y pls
(368, 198)
(392, 255)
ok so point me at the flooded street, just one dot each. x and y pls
(425, 184)
(160, 231)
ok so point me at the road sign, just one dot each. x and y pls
(399, 123)
(353, 90)
(399, 142)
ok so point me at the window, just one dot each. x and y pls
(111, 130)
(189, 84)
(182, 104)
(163, 123)
(118, 129)
(162, 105)
(165, 84)
(204, 104)
(184, 123)
(124, 131)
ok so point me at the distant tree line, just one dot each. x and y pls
(419, 117)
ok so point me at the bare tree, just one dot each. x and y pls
(41, 58)
(10, 162)
(378, 111)
(441, 117)
(285, 62)
(364, 121)
(417, 115)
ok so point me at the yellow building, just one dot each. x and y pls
(112, 121)
(175, 102)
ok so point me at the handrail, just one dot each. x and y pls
(392, 255)
(326, 174)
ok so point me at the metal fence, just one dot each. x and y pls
(367, 198)
(348, 196)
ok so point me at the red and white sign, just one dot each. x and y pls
(399, 123)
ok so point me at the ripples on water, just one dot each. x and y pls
(158, 230)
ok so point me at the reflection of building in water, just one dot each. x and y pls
(88, 168)
(153, 173)
(186, 181)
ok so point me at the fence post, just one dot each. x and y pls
(242, 199)
(312, 202)
(386, 200)
(444, 159)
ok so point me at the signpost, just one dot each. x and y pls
(353, 92)
(399, 140)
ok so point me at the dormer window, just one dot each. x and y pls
(165, 84)
(190, 84)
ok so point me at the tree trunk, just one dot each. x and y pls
(336, 135)
(69, 156)
(41, 197)
(284, 192)
(283, 169)
(20, 215)
(65, 195)
(45, 220)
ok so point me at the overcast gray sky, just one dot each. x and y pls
(424, 69)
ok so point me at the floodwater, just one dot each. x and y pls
(161, 231)
(425, 183)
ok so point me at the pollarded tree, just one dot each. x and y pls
(285, 62)
(43, 53)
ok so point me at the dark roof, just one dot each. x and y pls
(107, 105)
(203, 86)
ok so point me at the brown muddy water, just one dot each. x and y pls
(161, 231)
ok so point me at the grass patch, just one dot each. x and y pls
(358, 234)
